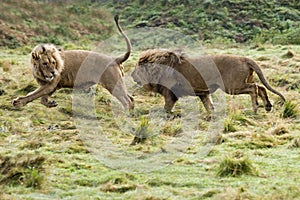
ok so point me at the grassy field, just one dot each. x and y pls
(71, 152)
(45, 155)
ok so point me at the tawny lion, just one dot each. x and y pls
(172, 74)
(54, 69)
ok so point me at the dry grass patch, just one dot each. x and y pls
(22, 170)
(235, 165)
(295, 143)
(290, 110)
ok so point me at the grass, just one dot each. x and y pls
(81, 22)
(229, 126)
(54, 22)
(22, 170)
(236, 165)
(290, 110)
(42, 151)
(295, 143)
(142, 132)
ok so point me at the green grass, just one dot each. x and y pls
(290, 110)
(236, 165)
(229, 126)
(218, 21)
(269, 162)
(44, 153)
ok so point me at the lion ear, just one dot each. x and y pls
(34, 56)
(43, 49)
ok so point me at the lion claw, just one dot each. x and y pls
(18, 102)
(52, 104)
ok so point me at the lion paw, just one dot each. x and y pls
(49, 104)
(18, 102)
(52, 104)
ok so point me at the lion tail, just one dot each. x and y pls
(262, 78)
(124, 57)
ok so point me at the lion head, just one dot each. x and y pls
(47, 62)
(157, 67)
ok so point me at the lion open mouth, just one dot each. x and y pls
(49, 79)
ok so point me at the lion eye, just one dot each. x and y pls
(53, 62)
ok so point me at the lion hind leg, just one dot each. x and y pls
(122, 95)
(170, 100)
(262, 93)
(207, 102)
(252, 90)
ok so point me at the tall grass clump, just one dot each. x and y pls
(142, 131)
(32, 177)
(290, 110)
(295, 143)
(229, 126)
(22, 170)
(236, 165)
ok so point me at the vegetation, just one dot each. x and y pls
(235, 20)
(47, 154)
(236, 165)
(30, 22)
(258, 21)
(290, 110)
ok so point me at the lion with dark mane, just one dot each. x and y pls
(54, 69)
(172, 74)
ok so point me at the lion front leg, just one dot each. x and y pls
(170, 100)
(19, 102)
(44, 90)
(207, 102)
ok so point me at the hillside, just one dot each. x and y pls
(240, 21)
(30, 22)
(60, 22)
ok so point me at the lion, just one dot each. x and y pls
(172, 74)
(54, 68)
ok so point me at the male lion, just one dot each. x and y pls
(172, 74)
(54, 69)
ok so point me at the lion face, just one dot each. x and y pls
(46, 61)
